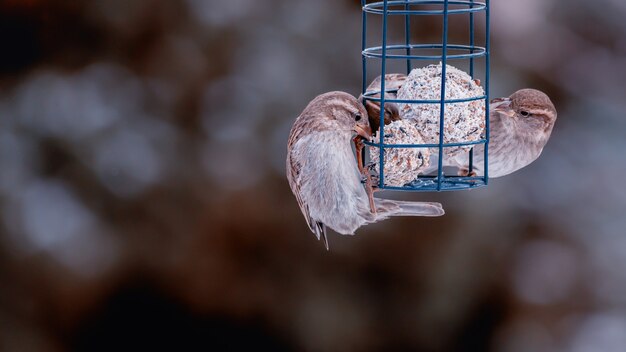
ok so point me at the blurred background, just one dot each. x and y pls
(143, 201)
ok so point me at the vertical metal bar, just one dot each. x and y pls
(363, 45)
(407, 37)
(381, 149)
(471, 31)
(442, 104)
(487, 76)
(363, 58)
(471, 161)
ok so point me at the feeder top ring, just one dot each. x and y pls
(379, 7)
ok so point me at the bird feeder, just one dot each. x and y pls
(376, 60)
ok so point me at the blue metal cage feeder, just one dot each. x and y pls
(407, 10)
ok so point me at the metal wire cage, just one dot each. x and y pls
(474, 55)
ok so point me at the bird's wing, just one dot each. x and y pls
(296, 179)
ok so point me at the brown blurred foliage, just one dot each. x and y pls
(143, 200)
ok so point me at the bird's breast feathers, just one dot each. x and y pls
(330, 180)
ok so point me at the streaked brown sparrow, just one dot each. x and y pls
(323, 173)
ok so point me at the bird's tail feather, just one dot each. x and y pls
(404, 208)
(320, 233)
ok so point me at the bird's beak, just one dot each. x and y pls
(503, 107)
(363, 130)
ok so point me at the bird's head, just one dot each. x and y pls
(529, 108)
(344, 112)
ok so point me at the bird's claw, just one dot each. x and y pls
(373, 180)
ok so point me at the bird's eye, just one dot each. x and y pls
(524, 113)
(357, 117)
